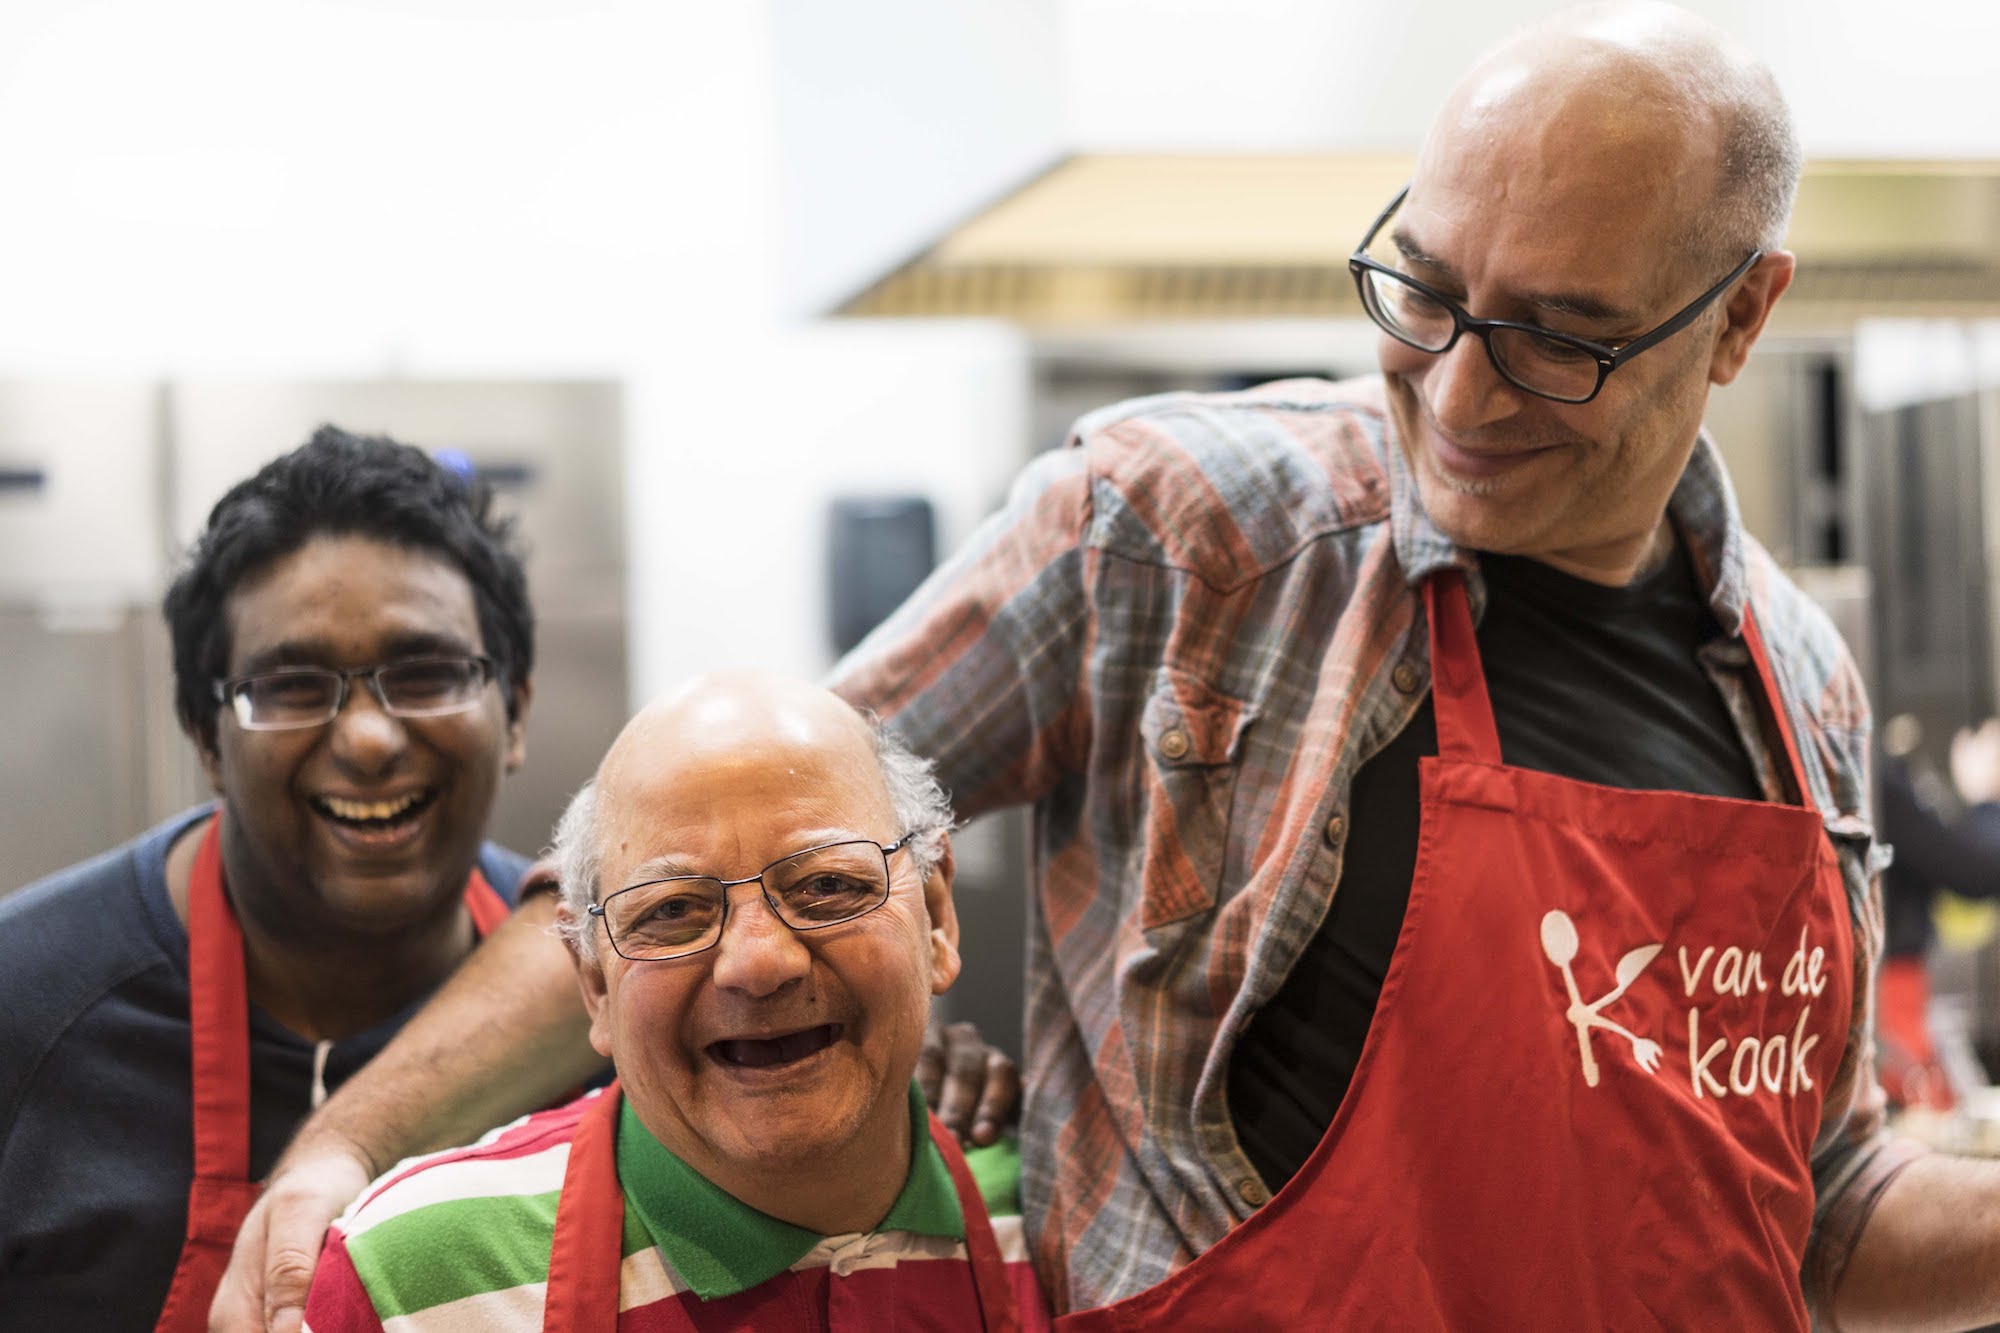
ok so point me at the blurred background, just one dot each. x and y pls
(753, 309)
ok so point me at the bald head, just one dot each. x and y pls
(1640, 97)
(758, 726)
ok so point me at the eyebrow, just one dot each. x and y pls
(662, 867)
(1581, 305)
(319, 652)
(666, 867)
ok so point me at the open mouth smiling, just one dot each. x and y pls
(769, 1052)
(373, 815)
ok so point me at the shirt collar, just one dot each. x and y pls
(720, 1245)
(1703, 508)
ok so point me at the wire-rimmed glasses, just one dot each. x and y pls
(291, 697)
(808, 890)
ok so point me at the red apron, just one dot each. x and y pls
(219, 1023)
(1593, 1079)
(587, 1250)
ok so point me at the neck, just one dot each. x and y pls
(851, 1190)
(321, 981)
(1615, 564)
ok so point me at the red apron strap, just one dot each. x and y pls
(587, 1250)
(219, 1015)
(1755, 638)
(222, 1192)
(1458, 682)
(219, 1043)
(488, 908)
(989, 1270)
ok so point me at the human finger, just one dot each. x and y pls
(1000, 1102)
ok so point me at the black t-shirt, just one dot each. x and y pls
(1589, 682)
(96, 1128)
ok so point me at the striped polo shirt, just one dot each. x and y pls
(460, 1241)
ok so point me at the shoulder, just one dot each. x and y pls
(503, 869)
(469, 1225)
(520, 1160)
(71, 937)
(1817, 674)
(1230, 484)
(1807, 649)
(996, 1169)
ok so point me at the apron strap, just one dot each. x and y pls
(1458, 681)
(586, 1252)
(1769, 678)
(488, 908)
(218, 1019)
(989, 1270)
(221, 1193)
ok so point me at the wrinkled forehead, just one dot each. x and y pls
(729, 808)
(1527, 189)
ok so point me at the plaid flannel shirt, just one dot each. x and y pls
(1178, 641)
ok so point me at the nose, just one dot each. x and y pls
(1464, 390)
(758, 955)
(367, 739)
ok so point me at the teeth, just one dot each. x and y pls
(369, 809)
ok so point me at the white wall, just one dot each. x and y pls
(900, 118)
(1898, 78)
(607, 188)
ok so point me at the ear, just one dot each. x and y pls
(1745, 310)
(596, 990)
(517, 725)
(944, 921)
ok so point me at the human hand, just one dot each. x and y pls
(1975, 762)
(543, 876)
(271, 1268)
(974, 1088)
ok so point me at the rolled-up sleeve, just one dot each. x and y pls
(981, 670)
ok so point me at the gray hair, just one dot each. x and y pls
(1662, 62)
(921, 806)
(1758, 173)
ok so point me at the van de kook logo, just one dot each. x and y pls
(1714, 979)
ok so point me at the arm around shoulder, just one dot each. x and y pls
(505, 1035)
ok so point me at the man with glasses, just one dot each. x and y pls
(757, 893)
(1456, 899)
(352, 646)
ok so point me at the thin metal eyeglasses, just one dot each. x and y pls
(1548, 364)
(294, 697)
(812, 889)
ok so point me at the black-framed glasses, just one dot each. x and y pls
(292, 697)
(808, 890)
(1548, 364)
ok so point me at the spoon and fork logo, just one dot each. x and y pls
(1559, 942)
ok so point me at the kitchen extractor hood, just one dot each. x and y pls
(1117, 239)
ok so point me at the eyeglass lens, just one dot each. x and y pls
(820, 887)
(1538, 363)
(408, 689)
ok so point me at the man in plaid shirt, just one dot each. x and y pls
(1200, 643)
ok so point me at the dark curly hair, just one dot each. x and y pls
(346, 485)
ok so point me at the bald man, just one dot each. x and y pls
(1456, 900)
(757, 893)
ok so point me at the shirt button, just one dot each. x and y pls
(1405, 678)
(1252, 1191)
(1336, 829)
(1174, 745)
